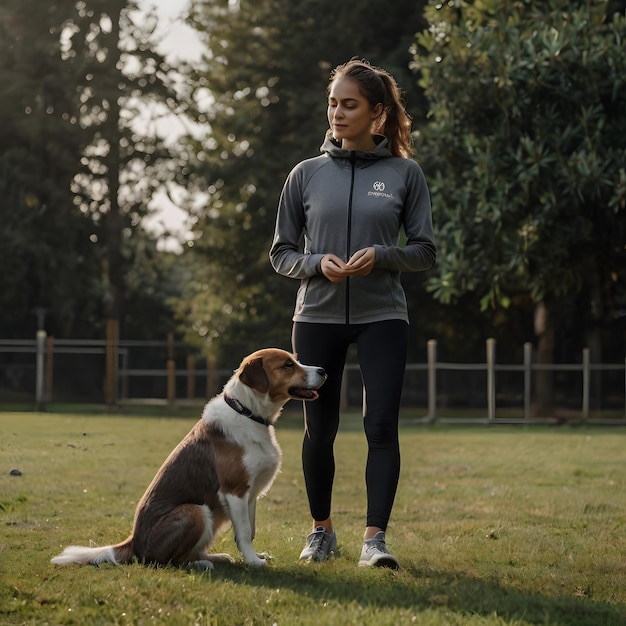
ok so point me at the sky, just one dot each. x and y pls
(179, 41)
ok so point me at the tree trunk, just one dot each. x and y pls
(113, 221)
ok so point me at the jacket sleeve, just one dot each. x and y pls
(289, 254)
(420, 251)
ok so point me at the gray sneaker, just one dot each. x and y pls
(376, 554)
(319, 545)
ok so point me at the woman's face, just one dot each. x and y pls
(350, 115)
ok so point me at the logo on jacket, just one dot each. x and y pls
(379, 190)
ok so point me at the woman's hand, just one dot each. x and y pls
(333, 268)
(360, 264)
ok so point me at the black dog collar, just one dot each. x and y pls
(242, 410)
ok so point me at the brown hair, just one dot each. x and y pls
(378, 86)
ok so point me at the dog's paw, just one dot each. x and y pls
(221, 558)
(257, 561)
(200, 566)
(264, 555)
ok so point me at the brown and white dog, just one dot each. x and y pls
(216, 473)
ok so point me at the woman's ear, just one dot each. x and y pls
(377, 110)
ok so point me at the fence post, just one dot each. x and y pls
(191, 376)
(171, 371)
(528, 357)
(49, 367)
(586, 383)
(211, 376)
(491, 379)
(171, 382)
(431, 347)
(40, 369)
(112, 331)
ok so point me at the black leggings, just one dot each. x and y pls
(381, 349)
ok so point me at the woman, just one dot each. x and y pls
(349, 206)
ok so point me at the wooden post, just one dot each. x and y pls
(432, 379)
(491, 379)
(49, 367)
(191, 376)
(171, 382)
(211, 377)
(40, 369)
(586, 382)
(528, 357)
(171, 371)
(544, 377)
(111, 357)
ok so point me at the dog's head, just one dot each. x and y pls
(278, 375)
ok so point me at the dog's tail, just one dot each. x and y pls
(119, 554)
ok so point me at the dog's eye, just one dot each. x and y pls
(289, 365)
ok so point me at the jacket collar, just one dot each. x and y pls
(334, 149)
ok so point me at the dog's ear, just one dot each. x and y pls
(253, 374)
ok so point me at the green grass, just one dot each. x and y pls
(493, 526)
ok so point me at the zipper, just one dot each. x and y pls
(349, 233)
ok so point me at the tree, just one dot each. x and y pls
(48, 262)
(82, 92)
(123, 81)
(527, 152)
(264, 74)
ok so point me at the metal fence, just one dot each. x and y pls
(45, 370)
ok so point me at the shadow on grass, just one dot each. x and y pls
(421, 590)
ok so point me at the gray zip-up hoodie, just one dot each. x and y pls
(338, 203)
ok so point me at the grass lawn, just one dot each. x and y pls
(492, 526)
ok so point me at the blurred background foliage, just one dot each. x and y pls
(520, 125)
